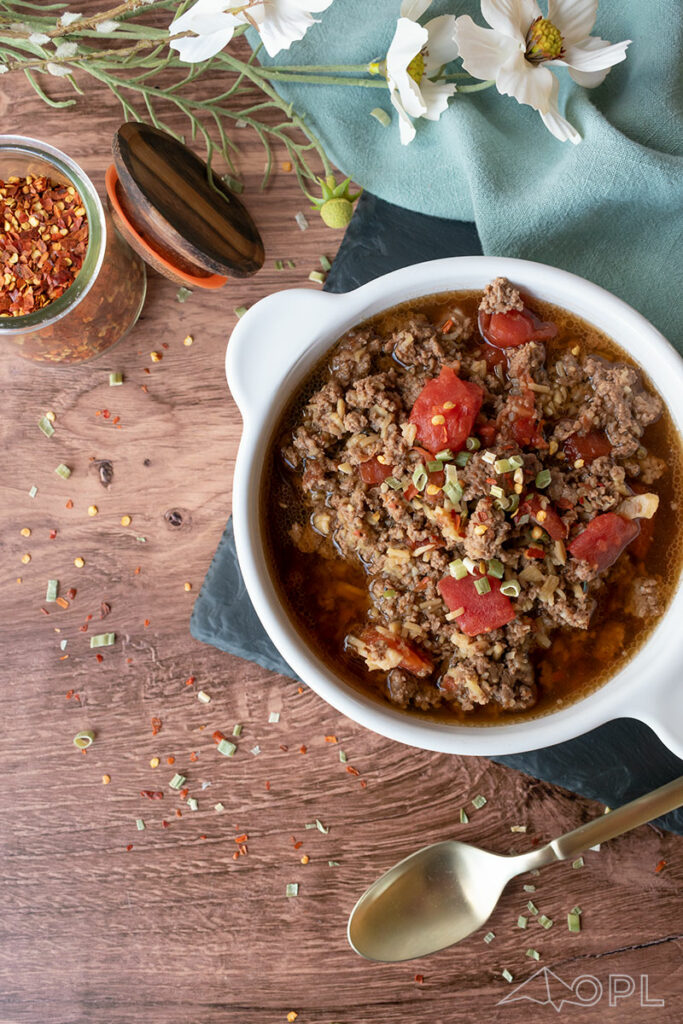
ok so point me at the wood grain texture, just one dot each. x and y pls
(175, 930)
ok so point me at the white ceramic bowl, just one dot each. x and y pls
(270, 352)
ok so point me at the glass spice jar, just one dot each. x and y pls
(105, 298)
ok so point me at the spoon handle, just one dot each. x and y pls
(623, 819)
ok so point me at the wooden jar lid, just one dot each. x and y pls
(164, 194)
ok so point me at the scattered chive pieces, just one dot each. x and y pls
(522, 921)
(381, 115)
(317, 276)
(325, 264)
(239, 311)
(462, 458)
(482, 586)
(310, 824)
(237, 729)
(292, 889)
(333, 863)
(218, 808)
(203, 697)
(183, 294)
(52, 591)
(103, 640)
(489, 937)
(279, 265)
(419, 477)
(574, 922)
(435, 467)
(46, 426)
(392, 482)
(545, 922)
(62, 644)
(141, 540)
(576, 910)
(506, 974)
(479, 802)
(473, 444)
(495, 568)
(388, 593)
(140, 824)
(226, 748)
(63, 471)
(488, 457)
(516, 461)
(177, 782)
(529, 888)
(320, 827)
(463, 816)
(255, 750)
(578, 863)
(533, 954)
(518, 828)
(83, 739)
(32, 493)
(469, 565)
(511, 588)
(291, 264)
(502, 466)
(445, 455)
(497, 492)
(342, 756)
(115, 378)
(301, 221)
(543, 479)
(274, 717)
(457, 568)
(533, 909)
(192, 803)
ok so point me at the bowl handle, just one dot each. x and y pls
(660, 706)
(268, 341)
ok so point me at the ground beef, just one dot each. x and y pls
(507, 506)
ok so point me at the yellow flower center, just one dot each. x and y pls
(543, 41)
(416, 68)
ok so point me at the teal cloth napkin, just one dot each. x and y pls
(609, 209)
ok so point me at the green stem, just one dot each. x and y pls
(281, 76)
(476, 88)
(362, 68)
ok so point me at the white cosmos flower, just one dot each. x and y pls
(521, 45)
(416, 53)
(213, 24)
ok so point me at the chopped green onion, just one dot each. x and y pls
(83, 739)
(255, 750)
(578, 863)
(496, 491)
(419, 477)
(470, 565)
(502, 504)
(479, 802)
(103, 640)
(464, 820)
(63, 471)
(506, 974)
(546, 922)
(392, 482)
(274, 717)
(513, 502)
(516, 461)
(489, 457)
(237, 730)
(62, 644)
(192, 803)
(472, 444)
(317, 276)
(325, 264)
(522, 921)
(320, 827)
(495, 568)
(279, 265)
(115, 378)
(183, 294)
(310, 824)
(300, 218)
(141, 540)
(292, 889)
(529, 888)
(511, 588)
(457, 569)
(203, 697)
(333, 863)
(140, 824)
(381, 115)
(453, 492)
(291, 264)
(462, 458)
(219, 807)
(532, 907)
(482, 586)
(523, 520)
(518, 828)
(434, 467)
(177, 782)
(489, 937)
(32, 493)
(52, 591)
(226, 748)
(46, 426)
(388, 593)
(573, 922)
(342, 756)
(533, 954)
(445, 455)
(502, 466)
(240, 311)
(543, 479)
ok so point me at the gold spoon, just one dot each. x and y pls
(444, 892)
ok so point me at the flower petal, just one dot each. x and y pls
(408, 40)
(185, 23)
(195, 49)
(436, 96)
(405, 125)
(528, 83)
(594, 54)
(283, 22)
(555, 123)
(483, 51)
(441, 45)
(574, 18)
(510, 17)
(414, 9)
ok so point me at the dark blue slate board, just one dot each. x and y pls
(614, 763)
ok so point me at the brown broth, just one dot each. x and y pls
(325, 596)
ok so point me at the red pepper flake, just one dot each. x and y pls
(44, 611)
(535, 553)
(129, 847)
(194, 755)
(303, 749)
(69, 694)
(242, 838)
(137, 570)
(156, 725)
(152, 794)
(170, 760)
(331, 739)
(419, 978)
(178, 813)
(183, 793)
(243, 851)
(53, 534)
(236, 855)
(88, 618)
(363, 784)
(298, 845)
(660, 866)
(105, 609)
(351, 770)
(99, 658)
(189, 682)
(217, 736)
(164, 344)
(448, 326)
(164, 824)
(147, 369)
(71, 593)
(62, 602)
(69, 504)
(116, 419)
(267, 785)
(106, 414)
(98, 412)
(143, 387)
(146, 623)
(299, 689)
(284, 747)
(202, 837)
(63, 657)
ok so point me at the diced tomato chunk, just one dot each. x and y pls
(488, 432)
(549, 520)
(412, 658)
(586, 446)
(445, 410)
(506, 330)
(535, 553)
(527, 432)
(604, 539)
(494, 357)
(373, 472)
(483, 612)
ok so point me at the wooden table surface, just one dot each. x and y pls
(102, 923)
